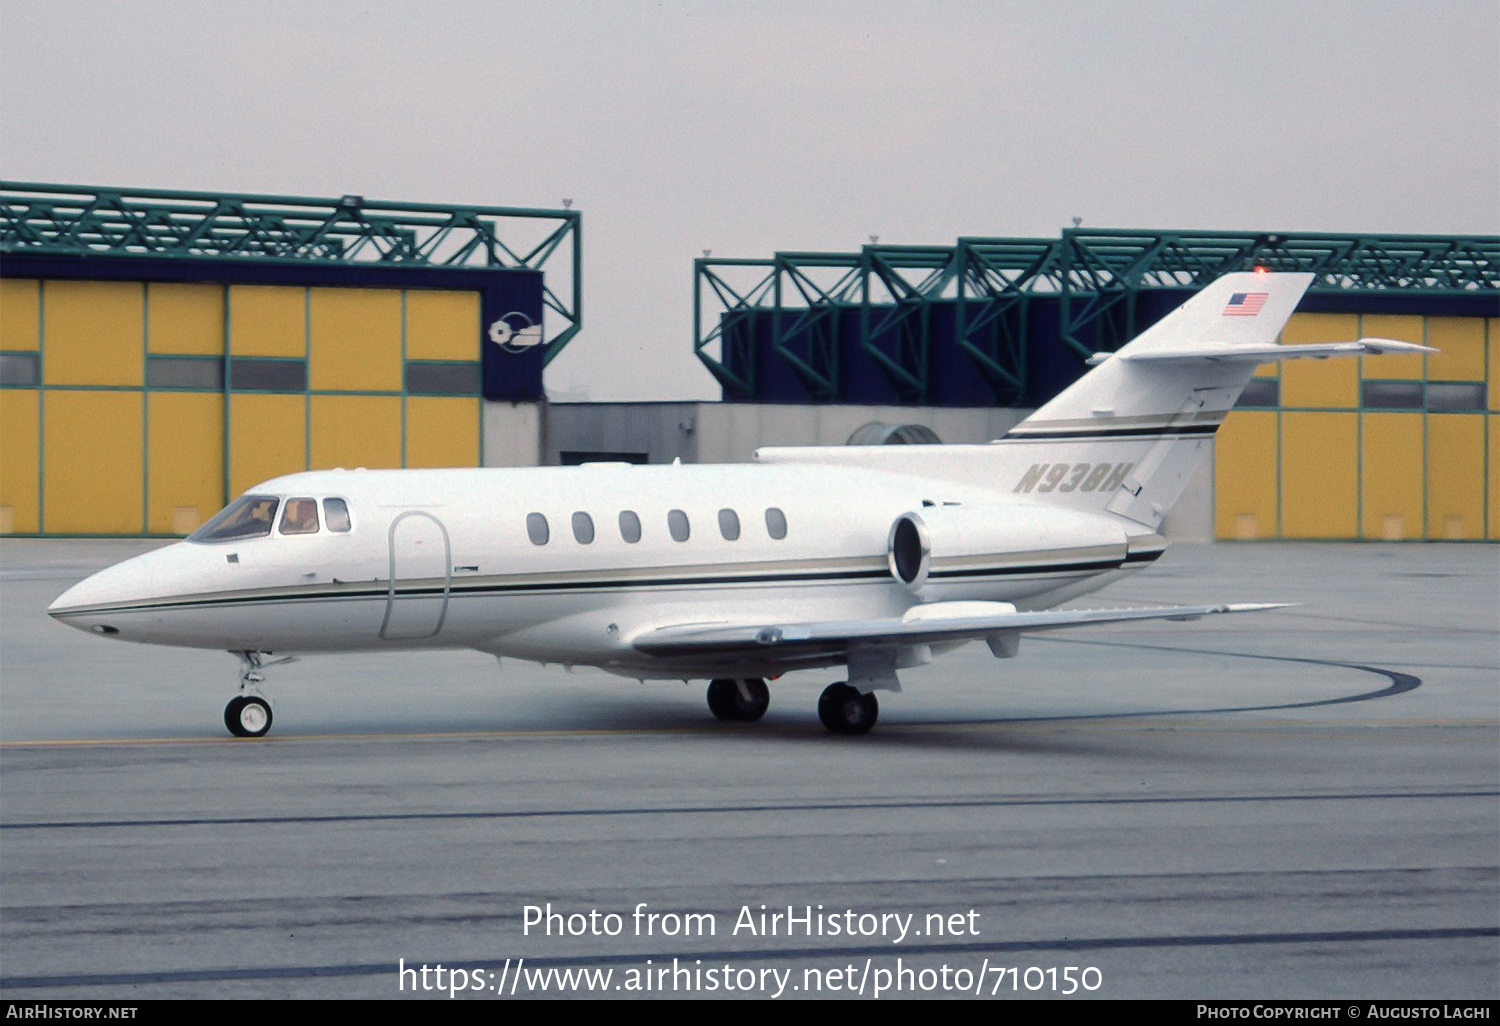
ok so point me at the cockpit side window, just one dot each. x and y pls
(249, 516)
(300, 516)
(336, 515)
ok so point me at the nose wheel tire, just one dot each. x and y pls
(247, 716)
(845, 710)
(740, 701)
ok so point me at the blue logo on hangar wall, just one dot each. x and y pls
(512, 344)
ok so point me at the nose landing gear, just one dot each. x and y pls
(248, 714)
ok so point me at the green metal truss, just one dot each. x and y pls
(1096, 274)
(45, 219)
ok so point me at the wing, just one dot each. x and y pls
(998, 623)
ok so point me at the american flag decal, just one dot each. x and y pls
(1245, 304)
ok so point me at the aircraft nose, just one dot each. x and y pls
(110, 602)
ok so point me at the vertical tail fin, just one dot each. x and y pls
(1127, 396)
(1167, 392)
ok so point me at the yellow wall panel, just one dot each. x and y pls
(184, 460)
(1493, 513)
(1318, 475)
(356, 340)
(18, 461)
(1461, 340)
(442, 325)
(267, 320)
(1402, 327)
(1391, 476)
(186, 319)
(1245, 476)
(20, 307)
(442, 432)
(93, 333)
(1455, 476)
(91, 452)
(267, 438)
(1320, 382)
(355, 431)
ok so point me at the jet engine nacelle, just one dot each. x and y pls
(954, 542)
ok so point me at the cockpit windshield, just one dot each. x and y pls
(249, 516)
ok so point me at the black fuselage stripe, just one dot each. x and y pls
(614, 585)
(383, 592)
(1099, 564)
(1106, 433)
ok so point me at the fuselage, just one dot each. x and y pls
(567, 564)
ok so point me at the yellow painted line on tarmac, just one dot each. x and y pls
(1101, 726)
(456, 735)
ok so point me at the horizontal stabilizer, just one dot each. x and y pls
(1258, 353)
(971, 622)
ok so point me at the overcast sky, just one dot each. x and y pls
(746, 128)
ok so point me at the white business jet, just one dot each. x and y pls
(870, 558)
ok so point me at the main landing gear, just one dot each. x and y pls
(248, 714)
(741, 701)
(844, 709)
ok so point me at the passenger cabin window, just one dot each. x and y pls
(776, 523)
(300, 516)
(249, 516)
(583, 528)
(677, 525)
(336, 515)
(536, 528)
(729, 524)
(630, 527)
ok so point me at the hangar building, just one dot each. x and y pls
(162, 351)
(1378, 447)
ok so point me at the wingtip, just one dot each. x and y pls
(1395, 345)
(1256, 607)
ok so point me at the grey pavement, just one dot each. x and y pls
(1303, 803)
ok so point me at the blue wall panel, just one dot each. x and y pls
(864, 381)
(955, 378)
(511, 311)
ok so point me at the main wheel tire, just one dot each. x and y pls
(728, 702)
(247, 716)
(846, 710)
(232, 715)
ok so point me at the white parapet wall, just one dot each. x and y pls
(513, 434)
(1192, 519)
(731, 432)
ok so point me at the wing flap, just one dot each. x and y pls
(1258, 353)
(932, 625)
